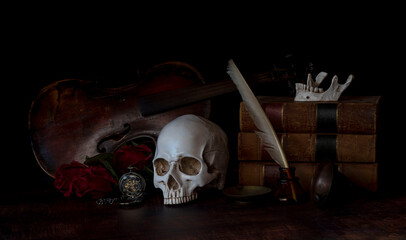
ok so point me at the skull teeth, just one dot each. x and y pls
(179, 200)
(307, 88)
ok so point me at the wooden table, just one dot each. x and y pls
(46, 214)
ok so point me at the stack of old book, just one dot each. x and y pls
(344, 131)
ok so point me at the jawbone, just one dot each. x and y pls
(312, 92)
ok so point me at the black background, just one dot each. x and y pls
(46, 46)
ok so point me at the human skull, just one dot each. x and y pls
(312, 92)
(191, 152)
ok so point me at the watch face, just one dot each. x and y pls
(132, 185)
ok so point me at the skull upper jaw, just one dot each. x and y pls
(180, 200)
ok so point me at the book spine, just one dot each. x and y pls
(260, 173)
(312, 117)
(309, 147)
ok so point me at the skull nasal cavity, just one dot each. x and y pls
(172, 184)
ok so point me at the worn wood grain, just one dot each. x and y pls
(47, 215)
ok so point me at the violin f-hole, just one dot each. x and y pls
(106, 144)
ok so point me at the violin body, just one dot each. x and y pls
(71, 119)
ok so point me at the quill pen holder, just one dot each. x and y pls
(289, 189)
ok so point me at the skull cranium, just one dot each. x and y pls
(191, 152)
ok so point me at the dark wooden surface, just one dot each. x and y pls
(46, 214)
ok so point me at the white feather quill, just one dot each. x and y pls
(261, 121)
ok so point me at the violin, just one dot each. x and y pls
(71, 119)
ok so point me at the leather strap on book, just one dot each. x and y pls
(326, 147)
(274, 111)
(327, 118)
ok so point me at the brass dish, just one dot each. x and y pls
(246, 193)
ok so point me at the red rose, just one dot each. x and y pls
(77, 178)
(137, 156)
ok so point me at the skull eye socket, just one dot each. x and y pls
(190, 166)
(161, 166)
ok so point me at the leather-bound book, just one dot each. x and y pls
(312, 147)
(265, 173)
(351, 114)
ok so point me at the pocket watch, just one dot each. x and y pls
(132, 186)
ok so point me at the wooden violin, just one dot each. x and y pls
(71, 119)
